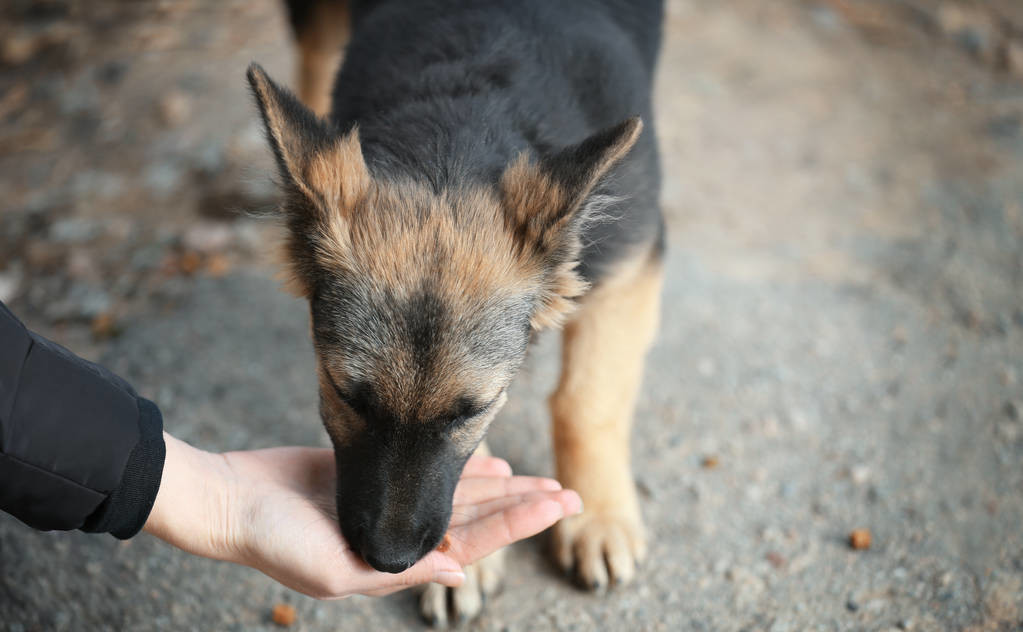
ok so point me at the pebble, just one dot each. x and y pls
(1011, 409)
(706, 367)
(860, 539)
(1014, 57)
(10, 283)
(174, 108)
(860, 473)
(645, 488)
(775, 558)
(208, 237)
(283, 614)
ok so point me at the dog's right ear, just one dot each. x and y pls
(544, 203)
(328, 170)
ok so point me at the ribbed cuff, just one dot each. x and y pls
(126, 509)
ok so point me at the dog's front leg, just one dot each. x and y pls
(481, 580)
(322, 31)
(602, 363)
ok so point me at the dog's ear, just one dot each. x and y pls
(544, 205)
(313, 159)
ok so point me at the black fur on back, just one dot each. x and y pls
(449, 92)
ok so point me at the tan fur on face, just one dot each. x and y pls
(397, 239)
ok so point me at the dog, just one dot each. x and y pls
(474, 172)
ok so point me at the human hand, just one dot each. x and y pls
(274, 510)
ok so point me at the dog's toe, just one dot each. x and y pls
(433, 605)
(466, 601)
(599, 549)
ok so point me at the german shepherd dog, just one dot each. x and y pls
(482, 173)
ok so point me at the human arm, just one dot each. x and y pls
(274, 510)
(79, 449)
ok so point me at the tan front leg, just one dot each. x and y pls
(602, 365)
(319, 53)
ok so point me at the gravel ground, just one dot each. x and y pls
(842, 341)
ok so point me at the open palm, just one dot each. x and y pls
(274, 510)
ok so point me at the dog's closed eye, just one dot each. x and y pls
(469, 411)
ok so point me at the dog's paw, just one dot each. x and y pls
(442, 606)
(600, 548)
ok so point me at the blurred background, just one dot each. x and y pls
(842, 344)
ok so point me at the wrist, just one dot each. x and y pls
(194, 509)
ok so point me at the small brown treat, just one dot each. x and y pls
(710, 462)
(104, 326)
(859, 539)
(445, 544)
(189, 262)
(283, 614)
(217, 265)
(775, 558)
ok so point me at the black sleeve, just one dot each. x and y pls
(79, 449)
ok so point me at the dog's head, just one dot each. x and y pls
(422, 305)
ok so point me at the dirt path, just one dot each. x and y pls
(843, 319)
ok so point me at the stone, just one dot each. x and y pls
(10, 283)
(860, 473)
(1011, 409)
(1014, 57)
(207, 237)
(174, 108)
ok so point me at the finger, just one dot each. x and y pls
(486, 466)
(464, 514)
(435, 567)
(475, 540)
(473, 490)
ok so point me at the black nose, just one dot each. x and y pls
(392, 548)
(387, 565)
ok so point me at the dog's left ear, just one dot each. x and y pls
(314, 161)
(544, 205)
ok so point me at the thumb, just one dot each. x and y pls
(435, 567)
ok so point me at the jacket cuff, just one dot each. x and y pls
(126, 509)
